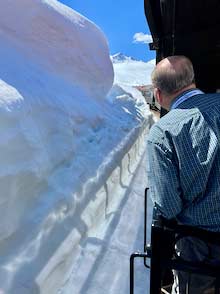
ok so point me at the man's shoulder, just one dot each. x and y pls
(171, 124)
(204, 102)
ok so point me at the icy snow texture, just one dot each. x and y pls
(62, 42)
(59, 137)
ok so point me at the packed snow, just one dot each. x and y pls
(70, 140)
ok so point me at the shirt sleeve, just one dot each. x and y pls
(163, 180)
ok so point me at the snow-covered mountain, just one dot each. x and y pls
(120, 57)
(128, 71)
(129, 76)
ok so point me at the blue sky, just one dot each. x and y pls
(122, 21)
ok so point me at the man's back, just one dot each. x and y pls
(187, 184)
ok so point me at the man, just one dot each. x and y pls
(184, 160)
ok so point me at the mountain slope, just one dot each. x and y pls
(129, 71)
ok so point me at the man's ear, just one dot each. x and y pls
(157, 95)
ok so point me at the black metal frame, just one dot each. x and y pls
(189, 28)
(163, 259)
(146, 254)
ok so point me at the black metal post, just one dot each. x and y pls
(132, 257)
(146, 249)
(155, 265)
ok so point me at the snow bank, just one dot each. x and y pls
(59, 40)
(60, 139)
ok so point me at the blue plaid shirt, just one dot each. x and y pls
(184, 162)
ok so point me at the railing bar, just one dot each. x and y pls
(132, 257)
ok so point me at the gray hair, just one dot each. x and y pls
(173, 74)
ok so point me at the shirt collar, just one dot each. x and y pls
(184, 96)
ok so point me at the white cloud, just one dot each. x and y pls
(142, 38)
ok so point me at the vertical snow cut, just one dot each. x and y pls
(59, 137)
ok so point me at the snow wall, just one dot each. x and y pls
(64, 149)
